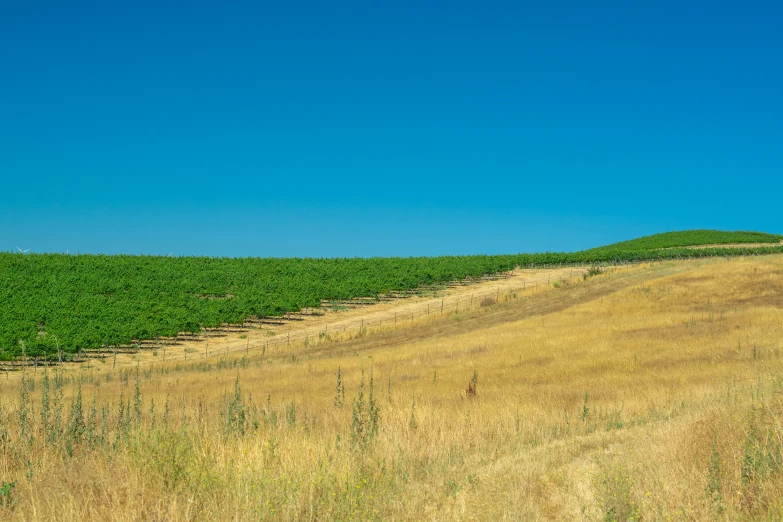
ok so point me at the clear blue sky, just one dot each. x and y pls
(385, 128)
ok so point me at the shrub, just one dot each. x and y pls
(237, 413)
(6, 488)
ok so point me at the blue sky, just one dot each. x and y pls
(385, 128)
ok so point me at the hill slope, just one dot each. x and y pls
(51, 302)
(647, 393)
(687, 238)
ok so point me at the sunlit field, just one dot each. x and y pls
(648, 393)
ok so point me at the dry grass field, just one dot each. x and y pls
(648, 393)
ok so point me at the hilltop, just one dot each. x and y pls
(691, 238)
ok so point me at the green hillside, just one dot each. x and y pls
(55, 301)
(691, 238)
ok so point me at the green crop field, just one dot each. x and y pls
(690, 238)
(51, 302)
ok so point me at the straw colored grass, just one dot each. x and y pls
(652, 393)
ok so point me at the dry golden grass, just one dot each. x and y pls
(652, 393)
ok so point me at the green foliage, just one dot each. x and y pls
(690, 238)
(237, 415)
(170, 455)
(24, 411)
(373, 411)
(46, 403)
(290, 414)
(75, 428)
(592, 272)
(339, 392)
(365, 417)
(53, 429)
(53, 302)
(714, 489)
(614, 488)
(137, 397)
(359, 417)
(452, 488)
(585, 409)
(6, 488)
(91, 435)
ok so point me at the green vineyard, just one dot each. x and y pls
(53, 302)
(689, 238)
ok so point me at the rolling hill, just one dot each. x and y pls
(53, 302)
